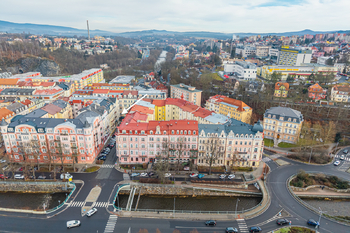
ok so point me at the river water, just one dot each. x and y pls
(334, 207)
(161, 59)
(191, 203)
(31, 201)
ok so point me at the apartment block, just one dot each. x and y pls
(293, 56)
(232, 108)
(188, 93)
(243, 70)
(282, 124)
(340, 93)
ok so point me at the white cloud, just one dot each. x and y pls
(183, 15)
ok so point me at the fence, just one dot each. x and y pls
(64, 202)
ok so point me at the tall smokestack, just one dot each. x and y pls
(87, 22)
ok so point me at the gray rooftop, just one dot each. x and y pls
(285, 113)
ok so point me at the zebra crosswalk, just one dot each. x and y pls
(76, 204)
(107, 166)
(266, 159)
(126, 176)
(112, 221)
(242, 225)
(100, 204)
(347, 158)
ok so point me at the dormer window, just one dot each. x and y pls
(164, 132)
(172, 132)
(151, 132)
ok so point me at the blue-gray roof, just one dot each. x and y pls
(36, 113)
(284, 112)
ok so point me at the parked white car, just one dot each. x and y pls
(342, 157)
(144, 174)
(222, 176)
(3, 161)
(231, 176)
(193, 175)
(336, 163)
(167, 175)
(19, 176)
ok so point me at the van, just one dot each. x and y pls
(73, 223)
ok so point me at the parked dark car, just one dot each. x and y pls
(283, 221)
(150, 173)
(312, 222)
(102, 158)
(255, 229)
(210, 223)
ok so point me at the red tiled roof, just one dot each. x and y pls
(100, 91)
(189, 107)
(5, 113)
(202, 112)
(141, 109)
(131, 92)
(159, 103)
(26, 102)
(8, 81)
(47, 91)
(238, 103)
(279, 84)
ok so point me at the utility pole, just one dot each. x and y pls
(319, 218)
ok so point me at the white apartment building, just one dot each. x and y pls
(322, 60)
(245, 50)
(244, 70)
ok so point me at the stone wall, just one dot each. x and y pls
(187, 191)
(35, 187)
(297, 189)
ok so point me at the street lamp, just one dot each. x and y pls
(237, 206)
(319, 218)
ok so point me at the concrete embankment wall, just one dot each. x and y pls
(186, 192)
(35, 187)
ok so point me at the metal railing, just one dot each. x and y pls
(64, 202)
(310, 207)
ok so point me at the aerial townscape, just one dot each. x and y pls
(117, 128)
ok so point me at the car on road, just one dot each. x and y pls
(283, 221)
(200, 176)
(3, 161)
(222, 176)
(336, 163)
(312, 222)
(19, 176)
(73, 223)
(91, 212)
(186, 168)
(3, 177)
(254, 229)
(342, 157)
(231, 229)
(135, 174)
(41, 177)
(167, 174)
(102, 158)
(210, 223)
(232, 176)
(144, 174)
(192, 175)
(345, 151)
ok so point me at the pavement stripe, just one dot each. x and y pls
(112, 221)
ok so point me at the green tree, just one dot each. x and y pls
(276, 77)
(290, 79)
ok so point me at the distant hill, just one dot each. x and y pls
(68, 31)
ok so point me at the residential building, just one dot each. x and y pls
(232, 144)
(281, 89)
(188, 93)
(282, 124)
(232, 108)
(322, 60)
(8, 83)
(293, 56)
(123, 79)
(243, 70)
(262, 51)
(340, 93)
(316, 92)
(245, 51)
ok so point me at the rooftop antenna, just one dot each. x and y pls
(87, 22)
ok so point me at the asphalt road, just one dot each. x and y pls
(107, 178)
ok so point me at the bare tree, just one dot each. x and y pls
(214, 150)
(180, 149)
(162, 164)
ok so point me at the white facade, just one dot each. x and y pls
(244, 70)
(322, 60)
(245, 50)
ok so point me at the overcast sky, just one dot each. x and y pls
(230, 16)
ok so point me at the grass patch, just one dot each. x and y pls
(242, 169)
(286, 145)
(213, 169)
(217, 77)
(92, 169)
(294, 230)
(268, 142)
(303, 180)
(315, 158)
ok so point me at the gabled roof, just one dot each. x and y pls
(5, 113)
(280, 84)
(51, 109)
(8, 81)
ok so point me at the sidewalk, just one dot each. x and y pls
(319, 192)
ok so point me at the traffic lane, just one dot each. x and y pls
(268, 152)
(285, 199)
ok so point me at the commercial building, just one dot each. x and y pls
(281, 89)
(262, 51)
(123, 79)
(232, 108)
(293, 56)
(282, 124)
(243, 70)
(188, 93)
(245, 51)
(322, 60)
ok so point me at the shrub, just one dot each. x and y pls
(150, 180)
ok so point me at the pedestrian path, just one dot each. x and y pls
(76, 204)
(100, 204)
(126, 176)
(112, 221)
(344, 167)
(266, 159)
(107, 166)
(242, 225)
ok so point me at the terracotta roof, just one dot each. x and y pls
(26, 102)
(176, 102)
(44, 84)
(159, 103)
(315, 88)
(202, 112)
(100, 91)
(5, 113)
(47, 91)
(51, 109)
(189, 107)
(8, 81)
(141, 109)
(279, 84)
(131, 92)
(342, 88)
